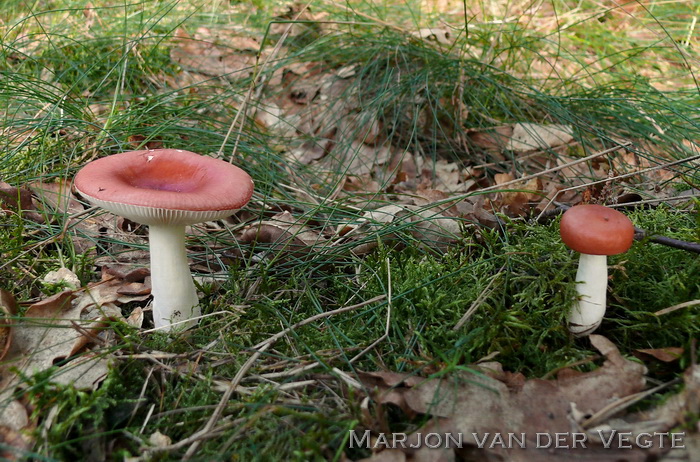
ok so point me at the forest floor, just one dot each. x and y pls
(398, 271)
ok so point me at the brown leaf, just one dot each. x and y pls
(429, 226)
(493, 140)
(286, 234)
(135, 319)
(18, 200)
(474, 209)
(362, 184)
(675, 410)
(529, 137)
(445, 176)
(201, 54)
(667, 355)
(85, 372)
(58, 196)
(14, 445)
(435, 230)
(108, 291)
(62, 276)
(128, 273)
(141, 142)
(516, 201)
(443, 36)
(477, 405)
(51, 307)
(52, 331)
(308, 152)
(133, 288)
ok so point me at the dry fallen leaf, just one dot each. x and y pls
(50, 335)
(14, 444)
(428, 225)
(159, 440)
(435, 230)
(445, 176)
(443, 36)
(200, 53)
(493, 140)
(667, 355)
(479, 407)
(528, 136)
(517, 200)
(52, 331)
(57, 196)
(286, 235)
(18, 200)
(62, 276)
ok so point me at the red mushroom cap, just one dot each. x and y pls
(165, 186)
(596, 230)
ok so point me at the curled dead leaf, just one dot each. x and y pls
(212, 56)
(128, 273)
(478, 406)
(62, 276)
(667, 355)
(57, 196)
(529, 137)
(493, 140)
(443, 36)
(19, 200)
(286, 235)
(517, 200)
(56, 330)
(135, 319)
(427, 225)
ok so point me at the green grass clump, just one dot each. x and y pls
(520, 318)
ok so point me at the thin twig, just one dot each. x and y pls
(148, 417)
(613, 408)
(677, 307)
(618, 177)
(325, 314)
(195, 439)
(476, 303)
(557, 168)
(640, 234)
(253, 84)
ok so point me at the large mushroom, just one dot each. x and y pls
(166, 189)
(595, 231)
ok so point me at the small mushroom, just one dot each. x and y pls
(595, 231)
(166, 189)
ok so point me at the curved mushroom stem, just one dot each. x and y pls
(592, 284)
(174, 293)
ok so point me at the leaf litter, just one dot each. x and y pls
(325, 127)
(487, 405)
(67, 335)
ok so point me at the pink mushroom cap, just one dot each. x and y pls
(165, 186)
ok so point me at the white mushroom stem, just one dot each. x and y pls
(174, 293)
(592, 284)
